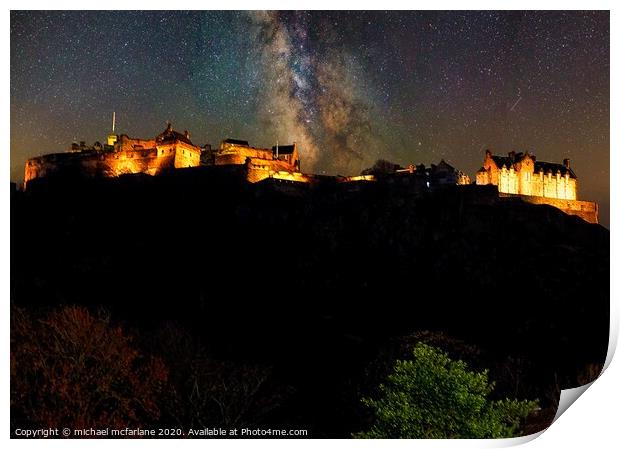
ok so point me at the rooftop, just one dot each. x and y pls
(169, 135)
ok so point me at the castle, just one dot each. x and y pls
(280, 161)
(521, 175)
(518, 175)
(169, 150)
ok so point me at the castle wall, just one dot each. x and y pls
(525, 182)
(554, 186)
(537, 184)
(259, 163)
(127, 143)
(129, 156)
(259, 169)
(51, 165)
(587, 210)
(482, 178)
(230, 159)
(186, 156)
(257, 174)
(106, 164)
(136, 161)
(493, 171)
(508, 181)
(244, 152)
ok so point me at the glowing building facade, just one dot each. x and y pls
(522, 174)
(121, 155)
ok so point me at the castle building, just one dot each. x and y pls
(515, 175)
(522, 174)
(169, 150)
(444, 174)
(279, 161)
(436, 176)
(121, 155)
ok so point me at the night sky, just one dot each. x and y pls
(349, 87)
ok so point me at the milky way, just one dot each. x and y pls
(348, 87)
(312, 92)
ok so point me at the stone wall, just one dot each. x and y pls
(587, 210)
(259, 169)
(243, 151)
(229, 159)
(127, 143)
(49, 165)
(105, 164)
(554, 186)
(508, 181)
(136, 161)
(186, 156)
(259, 163)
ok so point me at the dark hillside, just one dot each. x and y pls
(318, 282)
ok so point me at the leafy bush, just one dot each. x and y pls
(433, 396)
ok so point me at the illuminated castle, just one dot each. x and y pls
(279, 161)
(518, 176)
(121, 155)
(521, 173)
(169, 150)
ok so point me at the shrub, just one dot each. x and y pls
(433, 396)
(71, 368)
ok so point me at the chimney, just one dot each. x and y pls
(566, 163)
(511, 155)
(186, 134)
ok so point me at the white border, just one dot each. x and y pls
(591, 422)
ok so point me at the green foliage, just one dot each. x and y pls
(436, 397)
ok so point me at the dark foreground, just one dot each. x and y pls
(272, 309)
